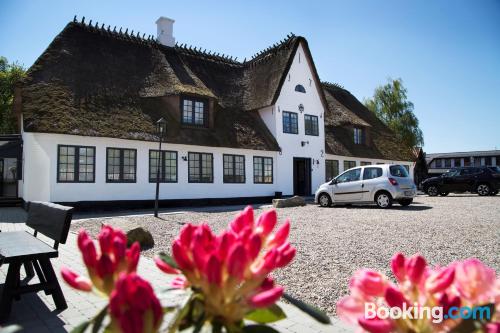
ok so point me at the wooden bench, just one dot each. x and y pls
(21, 247)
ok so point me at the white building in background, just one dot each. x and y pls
(236, 130)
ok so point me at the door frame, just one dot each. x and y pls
(308, 189)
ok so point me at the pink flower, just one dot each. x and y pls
(133, 306)
(369, 282)
(266, 298)
(493, 328)
(350, 309)
(395, 298)
(76, 281)
(440, 280)
(415, 268)
(179, 282)
(267, 222)
(376, 325)
(281, 234)
(398, 266)
(474, 280)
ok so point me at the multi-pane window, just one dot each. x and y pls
(359, 136)
(457, 162)
(439, 163)
(349, 164)
(290, 122)
(166, 163)
(121, 165)
(194, 112)
(365, 163)
(311, 124)
(447, 163)
(234, 168)
(200, 168)
(466, 161)
(262, 170)
(76, 164)
(487, 161)
(300, 88)
(331, 169)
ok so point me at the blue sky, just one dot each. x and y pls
(446, 52)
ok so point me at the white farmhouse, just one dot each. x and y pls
(236, 131)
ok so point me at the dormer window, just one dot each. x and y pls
(194, 111)
(359, 136)
(300, 88)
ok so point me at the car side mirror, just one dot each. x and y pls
(333, 182)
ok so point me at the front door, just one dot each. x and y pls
(301, 176)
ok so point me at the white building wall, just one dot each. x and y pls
(269, 118)
(40, 178)
(289, 100)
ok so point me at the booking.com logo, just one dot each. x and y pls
(436, 313)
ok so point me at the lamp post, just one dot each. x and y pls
(161, 130)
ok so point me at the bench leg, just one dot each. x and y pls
(55, 289)
(28, 268)
(9, 288)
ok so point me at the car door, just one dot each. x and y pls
(371, 178)
(451, 181)
(348, 186)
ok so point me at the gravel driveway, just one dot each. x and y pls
(334, 242)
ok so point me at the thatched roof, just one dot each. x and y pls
(346, 112)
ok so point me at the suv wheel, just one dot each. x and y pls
(405, 202)
(383, 200)
(483, 189)
(324, 200)
(432, 191)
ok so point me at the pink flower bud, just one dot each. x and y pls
(82, 237)
(253, 246)
(266, 222)
(493, 327)
(266, 298)
(398, 266)
(375, 325)
(285, 255)
(89, 252)
(200, 255)
(119, 247)
(267, 284)
(242, 220)
(132, 257)
(237, 261)
(415, 267)
(225, 242)
(369, 282)
(350, 308)
(105, 266)
(186, 235)
(446, 303)
(281, 234)
(164, 267)
(180, 256)
(440, 280)
(179, 282)
(76, 281)
(394, 297)
(105, 238)
(213, 270)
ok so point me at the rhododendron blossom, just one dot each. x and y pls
(468, 284)
(231, 270)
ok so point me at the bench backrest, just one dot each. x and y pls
(51, 220)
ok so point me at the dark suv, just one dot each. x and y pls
(480, 180)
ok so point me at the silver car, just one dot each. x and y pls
(382, 184)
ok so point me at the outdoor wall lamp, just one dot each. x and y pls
(161, 131)
(303, 143)
(184, 158)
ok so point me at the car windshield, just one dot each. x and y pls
(398, 171)
(495, 169)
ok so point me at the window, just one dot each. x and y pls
(300, 88)
(366, 163)
(166, 162)
(349, 164)
(311, 125)
(407, 167)
(121, 165)
(201, 168)
(466, 161)
(447, 163)
(234, 168)
(194, 111)
(290, 122)
(349, 176)
(457, 162)
(359, 136)
(398, 171)
(75, 164)
(439, 163)
(371, 173)
(262, 170)
(331, 169)
(487, 161)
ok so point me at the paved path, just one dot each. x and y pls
(36, 312)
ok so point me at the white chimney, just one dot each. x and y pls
(165, 31)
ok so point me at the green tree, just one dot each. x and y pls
(392, 107)
(9, 75)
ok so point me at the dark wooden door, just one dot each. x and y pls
(301, 176)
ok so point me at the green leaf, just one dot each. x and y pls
(259, 329)
(266, 315)
(167, 309)
(97, 321)
(312, 311)
(167, 259)
(81, 327)
(10, 329)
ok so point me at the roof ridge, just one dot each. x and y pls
(217, 57)
(332, 84)
(271, 50)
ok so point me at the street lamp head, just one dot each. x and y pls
(161, 127)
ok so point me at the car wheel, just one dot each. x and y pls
(383, 200)
(483, 189)
(405, 202)
(443, 194)
(324, 200)
(432, 191)
(494, 192)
